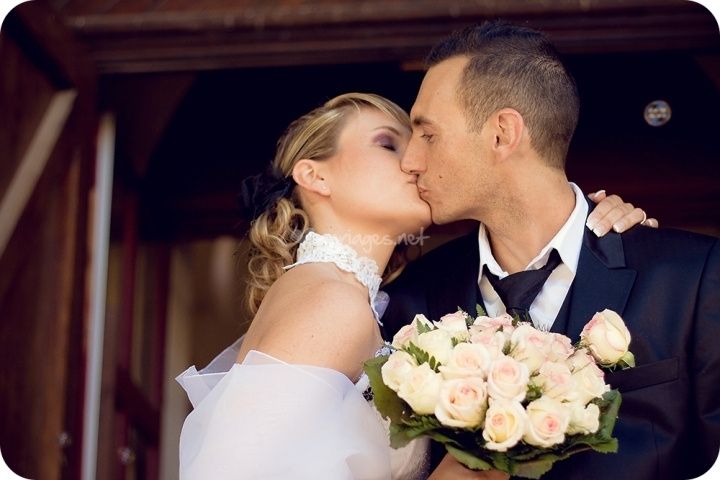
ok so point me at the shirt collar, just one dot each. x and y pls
(567, 241)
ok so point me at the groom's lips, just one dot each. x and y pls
(421, 190)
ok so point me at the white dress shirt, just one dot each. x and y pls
(567, 241)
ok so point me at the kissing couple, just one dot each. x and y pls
(486, 140)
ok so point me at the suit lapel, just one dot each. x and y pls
(458, 287)
(602, 281)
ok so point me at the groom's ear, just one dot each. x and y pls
(308, 174)
(509, 128)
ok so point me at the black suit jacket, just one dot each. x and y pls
(666, 286)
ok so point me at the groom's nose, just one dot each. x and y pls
(413, 161)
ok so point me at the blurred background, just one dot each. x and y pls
(126, 127)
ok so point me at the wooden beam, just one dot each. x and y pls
(178, 37)
(33, 163)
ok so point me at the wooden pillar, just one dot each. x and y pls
(123, 452)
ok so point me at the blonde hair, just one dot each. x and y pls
(276, 233)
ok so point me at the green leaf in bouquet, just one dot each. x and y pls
(535, 462)
(534, 468)
(422, 422)
(386, 400)
(423, 327)
(626, 361)
(421, 356)
(413, 426)
(480, 310)
(534, 392)
(471, 461)
(609, 406)
(440, 436)
(399, 436)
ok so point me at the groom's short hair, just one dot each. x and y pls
(515, 67)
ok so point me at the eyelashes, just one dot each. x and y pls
(387, 142)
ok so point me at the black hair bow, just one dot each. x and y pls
(260, 192)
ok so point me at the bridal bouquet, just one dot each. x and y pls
(500, 394)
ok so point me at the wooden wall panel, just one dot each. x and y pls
(43, 264)
(37, 307)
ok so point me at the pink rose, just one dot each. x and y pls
(556, 380)
(529, 346)
(584, 420)
(608, 339)
(505, 424)
(454, 324)
(397, 369)
(407, 334)
(503, 321)
(559, 347)
(589, 383)
(462, 403)
(548, 420)
(490, 338)
(421, 389)
(466, 360)
(508, 379)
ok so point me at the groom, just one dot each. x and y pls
(491, 128)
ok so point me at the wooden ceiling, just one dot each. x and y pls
(124, 36)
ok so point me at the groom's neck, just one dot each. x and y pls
(532, 214)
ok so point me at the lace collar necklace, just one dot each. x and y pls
(327, 248)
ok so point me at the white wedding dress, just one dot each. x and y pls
(267, 419)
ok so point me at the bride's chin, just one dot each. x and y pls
(416, 225)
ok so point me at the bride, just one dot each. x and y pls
(287, 401)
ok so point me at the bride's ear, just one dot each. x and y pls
(308, 174)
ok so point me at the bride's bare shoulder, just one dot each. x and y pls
(313, 316)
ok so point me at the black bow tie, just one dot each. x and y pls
(518, 290)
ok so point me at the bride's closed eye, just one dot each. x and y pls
(386, 142)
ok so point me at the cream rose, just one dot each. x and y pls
(490, 338)
(584, 420)
(407, 334)
(467, 360)
(454, 324)
(528, 345)
(421, 389)
(462, 403)
(438, 343)
(508, 379)
(547, 423)
(559, 347)
(589, 383)
(505, 423)
(556, 381)
(397, 369)
(580, 359)
(504, 321)
(607, 338)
